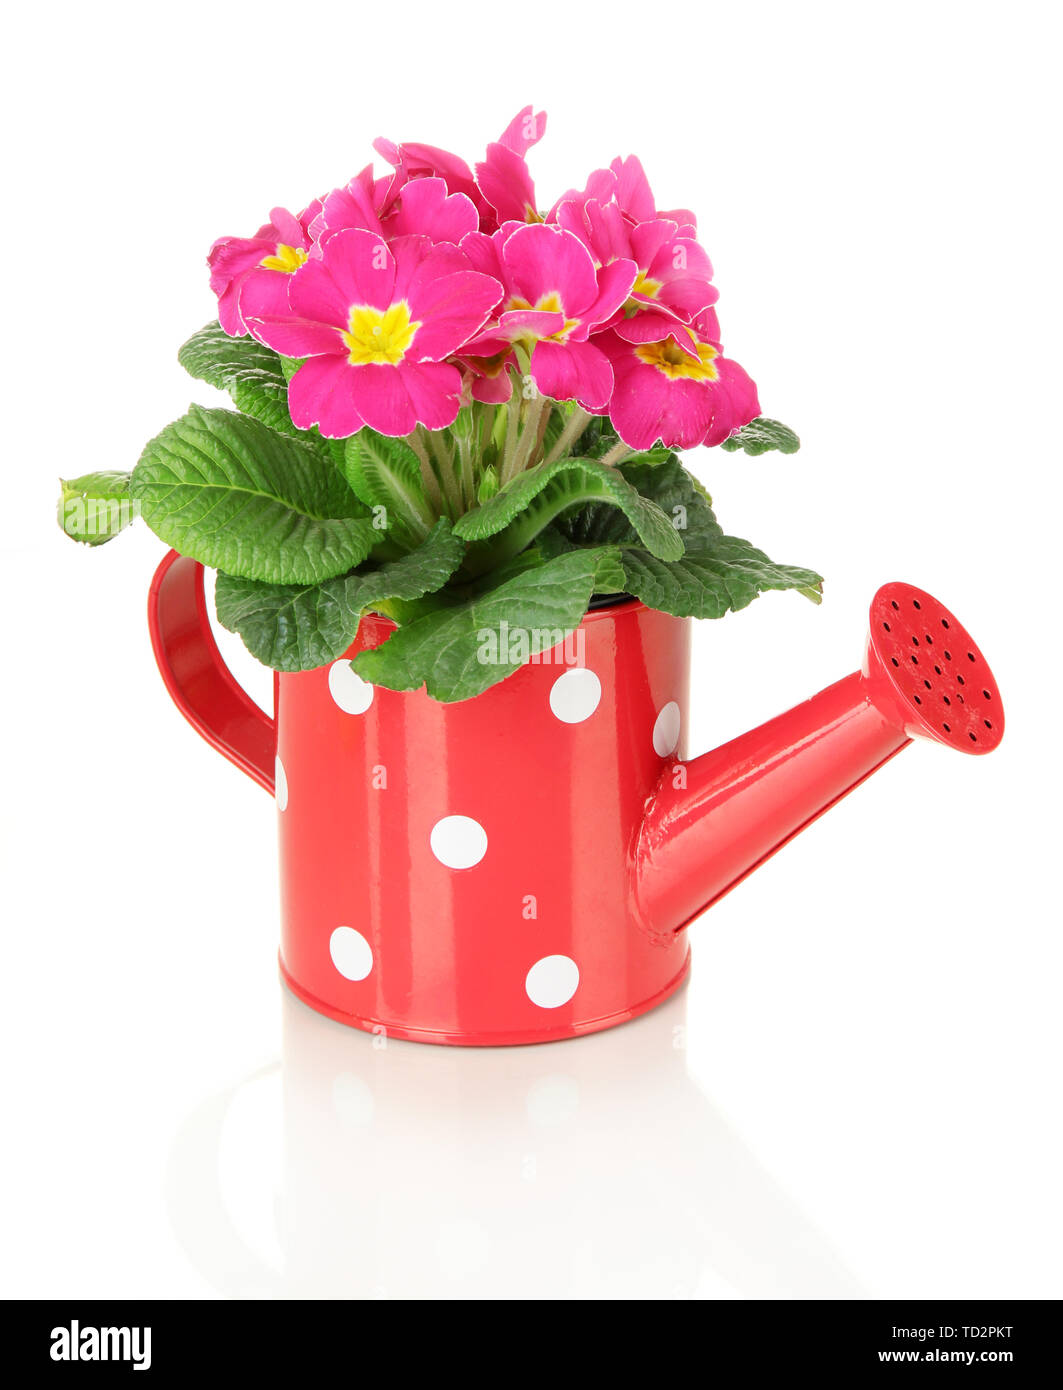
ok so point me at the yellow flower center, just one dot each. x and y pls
(668, 357)
(548, 304)
(644, 285)
(287, 259)
(379, 336)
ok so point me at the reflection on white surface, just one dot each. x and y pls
(368, 1168)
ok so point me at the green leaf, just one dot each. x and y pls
(256, 379)
(531, 501)
(295, 627)
(232, 493)
(384, 472)
(250, 372)
(716, 574)
(95, 507)
(459, 652)
(762, 435)
(673, 490)
(715, 578)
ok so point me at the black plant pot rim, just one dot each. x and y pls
(600, 601)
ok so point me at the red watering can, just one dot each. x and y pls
(521, 867)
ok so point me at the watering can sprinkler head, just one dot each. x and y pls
(713, 820)
(923, 664)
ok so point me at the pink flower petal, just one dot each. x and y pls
(674, 257)
(735, 401)
(320, 394)
(633, 189)
(417, 260)
(544, 260)
(350, 206)
(484, 253)
(600, 188)
(647, 407)
(707, 326)
(486, 344)
(425, 208)
(493, 390)
(572, 371)
(505, 182)
(229, 311)
(393, 400)
(307, 216)
(294, 337)
(419, 161)
(359, 264)
(525, 129)
(288, 228)
(683, 218)
(231, 256)
(264, 294)
(528, 323)
(651, 327)
(451, 310)
(314, 294)
(609, 234)
(614, 286)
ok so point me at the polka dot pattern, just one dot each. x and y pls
(575, 695)
(459, 842)
(351, 954)
(666, 730)
(350, 692)
(552, 981)
(451, 799)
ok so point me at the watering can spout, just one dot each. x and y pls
(713, 820)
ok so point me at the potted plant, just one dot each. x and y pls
(449, 511)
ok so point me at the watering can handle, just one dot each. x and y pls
(200, 684)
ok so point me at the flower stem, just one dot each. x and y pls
(467, 474)
(512, 423)
(617, 453)
(529, 437)
(575, 425)
(439, 444)
(428, 477)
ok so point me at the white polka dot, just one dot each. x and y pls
(552, 981)
(351, 693)
(351, 954)
(666, 730)
(459, 842)
(280, 785)
(574, 696)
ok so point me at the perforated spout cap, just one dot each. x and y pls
(923, 661)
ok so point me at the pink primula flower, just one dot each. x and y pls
(673, 383)
(503, 176)
(417, 161)
(421, 208)
(674, 272)
(635, 197)
(359, 203)
(250, 274)
(376, 322)
(555, 297)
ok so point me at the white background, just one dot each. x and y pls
(868, 1100)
